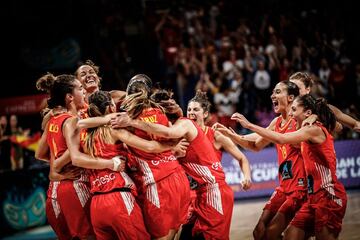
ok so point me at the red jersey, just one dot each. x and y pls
(82, 113)
(55, 138)
(105, 180)
(292, 174)
(58, 146)
(210, 134)
(320, 165)
(154, 166)
(201, 161)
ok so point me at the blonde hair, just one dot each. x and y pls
(304, 77)
(99, 103)
(102, 134)
(135, 103)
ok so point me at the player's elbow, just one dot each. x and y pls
(41, 155)
(152, 148)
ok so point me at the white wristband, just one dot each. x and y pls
(117, 162)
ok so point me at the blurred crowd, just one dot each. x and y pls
(234, 51)
(239, 59)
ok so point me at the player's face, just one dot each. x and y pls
(279, 98)
(88, 78)
(195, 112)
(79, 95)
(297, 112)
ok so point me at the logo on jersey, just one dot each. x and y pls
(103, 179)
(310, 184)
(301, 182)
(216, 165)
(164, 160)
(285, 170)
(193, 183)
(54, 128)
(151, 119)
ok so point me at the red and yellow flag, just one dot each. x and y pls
(28, 142)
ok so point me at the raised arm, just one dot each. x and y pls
(181, 128)
(136, 142)
(307, 133)
(251, 141)
(178, 130)
(95, 121)
(117, 95)
(231, 148)
(345, 119)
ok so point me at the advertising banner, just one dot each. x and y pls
(23, 105)
(264, 169)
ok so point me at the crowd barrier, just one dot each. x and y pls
(23, 192)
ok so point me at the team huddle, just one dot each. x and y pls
(129, 165)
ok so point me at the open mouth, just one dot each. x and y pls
(275, 105)
(90, 82)
(192, 117)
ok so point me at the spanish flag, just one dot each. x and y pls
(28, 142)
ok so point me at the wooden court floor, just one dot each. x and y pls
(247, 212)
(245, 217)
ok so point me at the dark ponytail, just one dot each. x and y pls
(320, 108)
(99, 102)
(325, 114)
(57, 87)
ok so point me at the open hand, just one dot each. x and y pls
(241, 119)
(309, 120)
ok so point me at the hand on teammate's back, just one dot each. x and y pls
(120, 120)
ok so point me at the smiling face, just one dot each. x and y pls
(280, 98)
(298, 112)
(196, 113)
(88, 78)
